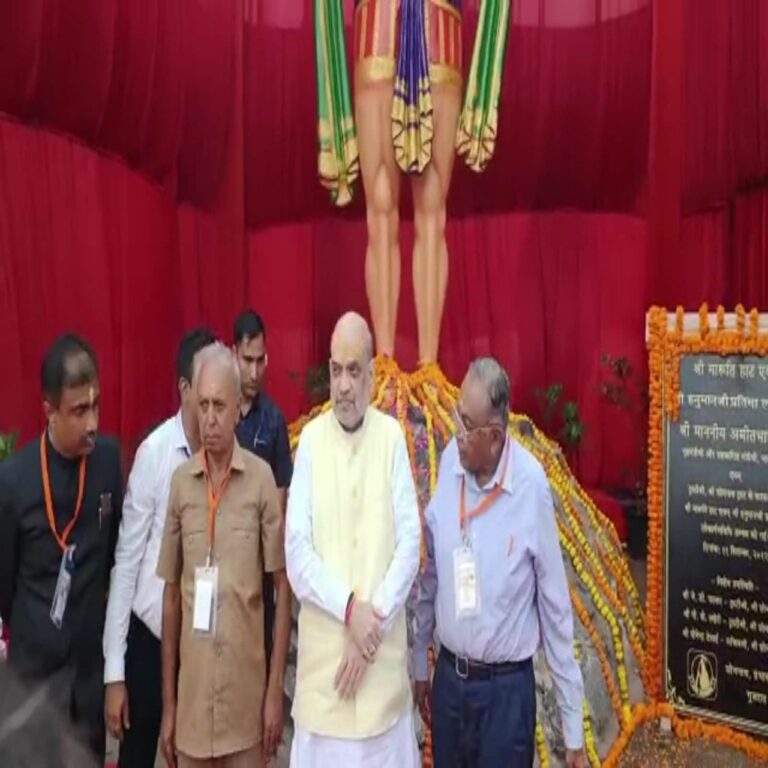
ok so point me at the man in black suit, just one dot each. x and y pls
(60, 504)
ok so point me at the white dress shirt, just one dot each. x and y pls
(521, 580)
(311, 580)
(134, 586)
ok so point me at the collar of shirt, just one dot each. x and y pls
(180, 442)
(238, 461)
(509, 445)
(257, 405)
(353, 439)
(254, 428)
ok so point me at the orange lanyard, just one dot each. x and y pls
(485, 504)
(213, 502)
(61, 540)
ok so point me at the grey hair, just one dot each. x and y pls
(220, 355)
(489, 372)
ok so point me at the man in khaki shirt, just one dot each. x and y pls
(223, 511)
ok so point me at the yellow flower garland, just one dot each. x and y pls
(541, 745)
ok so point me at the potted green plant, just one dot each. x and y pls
(623, 389)
(548, 398)
(569, 430)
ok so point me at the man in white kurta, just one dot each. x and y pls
(352, 553)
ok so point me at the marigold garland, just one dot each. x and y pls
(685, 729)
(564, 486)
(541, 746)
(657, 348)
(602, 654)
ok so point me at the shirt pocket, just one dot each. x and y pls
(194, 542)
(240, 552)
(512, 553)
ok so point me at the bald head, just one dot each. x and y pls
(352, 333)
(351, 367)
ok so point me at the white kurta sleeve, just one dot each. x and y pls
(309, 577)
(392, 593)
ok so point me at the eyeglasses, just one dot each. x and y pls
(463, 432)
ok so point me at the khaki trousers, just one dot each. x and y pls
(250, 758)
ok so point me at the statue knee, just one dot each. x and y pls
(430, 219)
(382, 198)
(381, 209)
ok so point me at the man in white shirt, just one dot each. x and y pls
(132, 672)
(352, 552)
(495, 587)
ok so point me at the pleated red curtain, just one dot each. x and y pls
(158, 169)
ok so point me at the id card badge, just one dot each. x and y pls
(465, 583)
(206, 601)
(63, 586)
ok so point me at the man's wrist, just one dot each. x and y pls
(169, 698)
(276, 679)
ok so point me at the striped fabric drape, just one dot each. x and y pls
(338, 162)
(479, 119)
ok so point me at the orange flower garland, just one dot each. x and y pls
(656, 344)
(685, 729)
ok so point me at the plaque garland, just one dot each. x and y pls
(665, 347)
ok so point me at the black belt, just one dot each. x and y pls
(467, 669)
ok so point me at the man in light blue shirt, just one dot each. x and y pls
(494, 586)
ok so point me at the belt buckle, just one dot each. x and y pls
(462, 667)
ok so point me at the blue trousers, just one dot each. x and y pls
(483, 723)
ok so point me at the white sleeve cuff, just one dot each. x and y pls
(338, 596)
(114, 670)
(573, 729)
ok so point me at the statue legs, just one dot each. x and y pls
(381, 182)
(430, 193)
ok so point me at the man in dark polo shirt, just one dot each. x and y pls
(60, 504)
(262, 428)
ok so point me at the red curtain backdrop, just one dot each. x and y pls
(158, 170)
